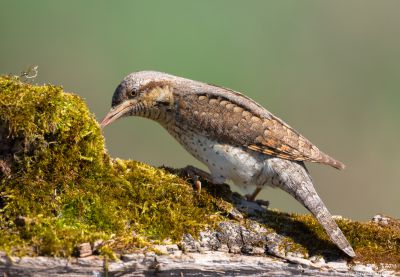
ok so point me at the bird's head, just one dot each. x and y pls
(140, 93)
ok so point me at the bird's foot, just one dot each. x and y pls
(195, 174)
(252, 198)
(192, 171)
(260, 202)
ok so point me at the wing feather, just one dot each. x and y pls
(247, 124)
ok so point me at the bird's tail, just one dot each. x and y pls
(326, 159)
(295, 180)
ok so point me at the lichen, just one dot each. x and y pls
(60, 188)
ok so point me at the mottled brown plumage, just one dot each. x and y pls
(236, 119)
(233, 135)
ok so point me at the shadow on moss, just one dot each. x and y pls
(372, 242)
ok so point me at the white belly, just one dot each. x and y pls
(224, 161)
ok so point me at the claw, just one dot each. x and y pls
(197, 184)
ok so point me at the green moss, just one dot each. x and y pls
(59, 188)
(372, 242)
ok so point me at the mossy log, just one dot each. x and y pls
(61, 194)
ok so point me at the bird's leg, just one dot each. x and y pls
(252, 198)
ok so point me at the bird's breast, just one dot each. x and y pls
(224, 161)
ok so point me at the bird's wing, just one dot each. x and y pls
(281, 140)
(245, 123)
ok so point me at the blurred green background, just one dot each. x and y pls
(331, 69)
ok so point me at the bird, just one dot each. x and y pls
(235, 137)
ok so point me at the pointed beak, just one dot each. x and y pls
(117, 112)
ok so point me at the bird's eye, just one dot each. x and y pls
(133, 92)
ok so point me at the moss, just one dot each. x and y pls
(372, 242)
(59, 188)
(108, 253)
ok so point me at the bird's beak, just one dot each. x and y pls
(117, 112)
